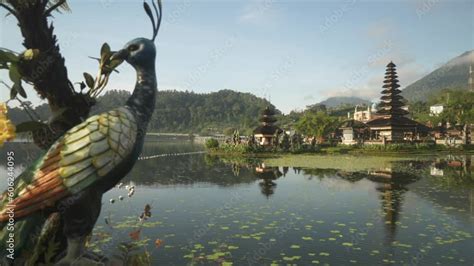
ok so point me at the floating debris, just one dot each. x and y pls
(120, 197)
(112, 201)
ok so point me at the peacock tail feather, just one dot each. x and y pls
(25, 229)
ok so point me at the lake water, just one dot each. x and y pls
(214, 211)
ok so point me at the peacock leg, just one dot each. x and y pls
(75, 250)
(80, 214)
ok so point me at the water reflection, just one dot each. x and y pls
(460, 166)
(327, 210)
(392, 186)
(267, 175)
(391, 183)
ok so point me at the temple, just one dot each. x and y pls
(266, 133)
(353, 132)
(392, 124)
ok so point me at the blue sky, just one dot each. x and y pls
(294, 53)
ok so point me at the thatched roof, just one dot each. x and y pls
(268, 112)
(393, 112)
(267, 119)
(398, 121)
(267, 130)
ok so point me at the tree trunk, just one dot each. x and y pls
(48, 74)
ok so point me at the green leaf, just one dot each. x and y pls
(105, 54)
(29, 126)
(13, 93)
(110, 66)
(14, 74)
(89, 80)
(20, 89)
(104, 50)
(6, 56)
(115, 63)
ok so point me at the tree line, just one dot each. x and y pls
(225, 111)
(181, 111)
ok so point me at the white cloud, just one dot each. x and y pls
(411, 73)
(465, 58)
(366, 80)
(362, 91)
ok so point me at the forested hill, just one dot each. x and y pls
(186, 112)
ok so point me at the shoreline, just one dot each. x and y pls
(351, 162)
(342, 151)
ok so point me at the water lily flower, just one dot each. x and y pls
(158, 242)
(135, 235)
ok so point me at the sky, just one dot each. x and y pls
(294, 53)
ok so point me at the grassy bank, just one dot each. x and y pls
(397, 149)
(388, 150)
(345, 162)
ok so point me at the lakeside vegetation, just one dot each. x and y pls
(182, 111)
(242, 149)
(225, 111)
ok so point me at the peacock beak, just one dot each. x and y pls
(122, 55)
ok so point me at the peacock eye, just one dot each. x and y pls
(133, 47)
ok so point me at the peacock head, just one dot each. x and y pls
(141, 52)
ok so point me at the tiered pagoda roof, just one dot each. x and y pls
(268, 117)
(391, 110)
(268, 120)
(391, 100)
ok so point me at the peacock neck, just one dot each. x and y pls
(143, 98)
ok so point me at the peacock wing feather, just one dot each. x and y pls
(79, 159)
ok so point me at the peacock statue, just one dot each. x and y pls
(87, 160)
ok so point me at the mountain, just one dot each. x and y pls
(183, 111)
(332, 102)
(453, 74)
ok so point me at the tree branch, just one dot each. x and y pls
(9, 10)
(53, 7)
